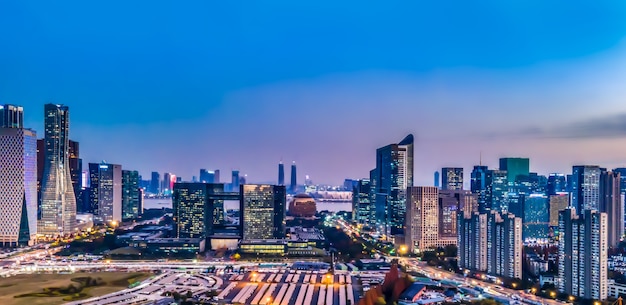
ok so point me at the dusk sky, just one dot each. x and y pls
(181, 85)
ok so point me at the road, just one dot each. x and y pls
(434, 273)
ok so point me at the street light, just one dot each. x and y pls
(553, 295)
(268, 301)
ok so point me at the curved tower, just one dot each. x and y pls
(58, 202)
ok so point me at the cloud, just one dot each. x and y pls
(608, 126)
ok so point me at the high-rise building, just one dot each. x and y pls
(206, 176)
(583, 254)
(350, 184)
(452, 178)
(490, 242)
(586, 187)
(155, 183)
(558, 203)
(199, 209)
(234, 183)
(449, 207)
(216, 177)
(18, 173)
(131, 195)
(263, 211)
(11, 116)
(167, 185)
(557, 183)
(58, 202)
(394, 171)
(281, 173)
(622, 174)
(76, 168)
(504, 245)
(479, 187)
(422, 220)
(611, 204)
(189, 202)
(536, 217)
(437, 179)
(243, 179)
(361, 212)
(497, 186)
(105, 192)
(293, 187)
(515, 167)
(472, 241)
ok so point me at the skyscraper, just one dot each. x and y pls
(281, 173)
(586, 187)
(206, 176)
(472, 241)
(263, 211)
(189, 202)
(622, 174)
(515, 167)
(536, 218)
(452, 178)
(611, 204)
(490, 242)
(437, 179)
(76, 168)
(234, 184)
(479, 186)
(361, 205)
(11, 116)
(293, 187)
(131, 195)
(58, 202)
(558, 203)
(504, 245)
(199, 209)
(583, 254)
(18, 173)
(557, 183)
(105, 192)
(449, 207)
(497, 187)
(155, 183)
(422, 220)
(394, 171)
(167, 185)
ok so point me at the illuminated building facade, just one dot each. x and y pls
(18, 165)
(131, 195)
(105, 192)
(583, 254)
(394, 174)
(452, 178)
(422, 220)
(58, 201)
(263, 211)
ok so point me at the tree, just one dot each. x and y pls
(451, 251)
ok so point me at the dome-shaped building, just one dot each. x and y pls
(302, 205)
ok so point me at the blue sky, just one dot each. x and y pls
(178, 86)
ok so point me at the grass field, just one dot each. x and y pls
(36, 283)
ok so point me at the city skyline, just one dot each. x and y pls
(545, 89)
